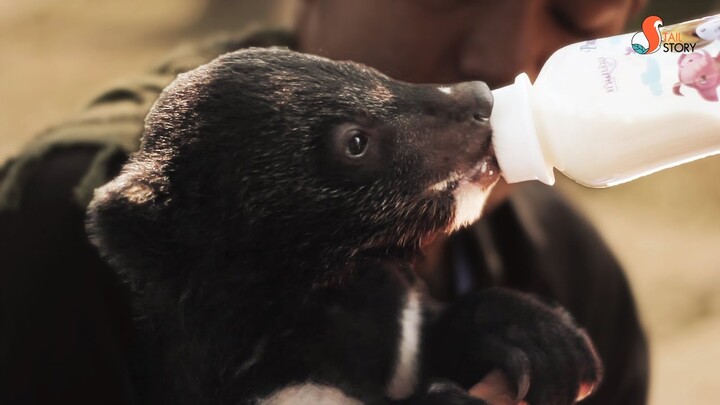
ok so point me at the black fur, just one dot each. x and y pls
(261, 255)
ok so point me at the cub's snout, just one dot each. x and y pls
(459, 149)
(474, 100)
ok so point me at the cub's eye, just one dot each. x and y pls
(354, 153)
(357, 143)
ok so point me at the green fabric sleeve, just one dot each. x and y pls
(114, 120)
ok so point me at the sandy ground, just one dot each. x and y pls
(55, 55)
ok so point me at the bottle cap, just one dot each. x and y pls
(515, 139)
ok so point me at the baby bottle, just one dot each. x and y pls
(607, 111)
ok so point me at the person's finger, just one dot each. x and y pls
(585, 391)
(495, 389)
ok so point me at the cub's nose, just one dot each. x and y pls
(475, 99)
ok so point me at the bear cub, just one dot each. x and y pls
(268, 226)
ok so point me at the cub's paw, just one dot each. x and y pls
(539, 347)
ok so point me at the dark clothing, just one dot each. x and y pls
(65, 328)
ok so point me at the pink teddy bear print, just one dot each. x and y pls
(700, 71)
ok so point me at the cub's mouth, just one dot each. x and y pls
(484, 173)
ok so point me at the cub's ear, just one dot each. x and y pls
(125, 220)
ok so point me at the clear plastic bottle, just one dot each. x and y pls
(604, 114)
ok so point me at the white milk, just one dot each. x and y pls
(604, 114)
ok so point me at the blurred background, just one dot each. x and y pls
(665, 228)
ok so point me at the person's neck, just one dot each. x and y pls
(431, 267)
